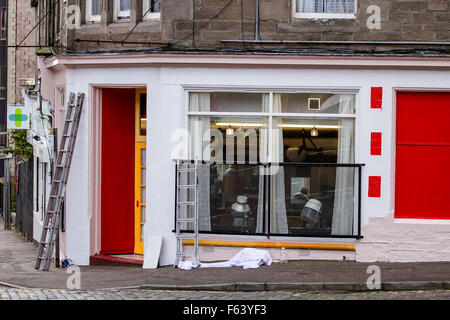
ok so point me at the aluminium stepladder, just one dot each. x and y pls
(187, 210)
(60, 176)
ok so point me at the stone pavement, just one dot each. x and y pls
(142, 294)
(17, 257)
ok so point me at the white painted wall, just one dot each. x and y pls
(166, 112)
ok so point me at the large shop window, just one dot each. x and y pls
(276, 163)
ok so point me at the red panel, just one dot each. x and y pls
(376, 97)
(374, 187)
(422, 188)
(118, 153)
(423, 118)
(375, 144)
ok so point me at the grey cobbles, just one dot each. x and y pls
(144, 294)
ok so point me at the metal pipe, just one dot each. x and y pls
(256, 21)
(444, 43)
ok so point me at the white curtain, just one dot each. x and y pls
(263, 144)
(329, 6)
(200, 145)
(343, 210)
(278, 221)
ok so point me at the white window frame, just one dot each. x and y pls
(89, 16)
(150, 15)
(186, 114)
(319, 15)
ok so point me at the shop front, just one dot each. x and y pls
(296, 155)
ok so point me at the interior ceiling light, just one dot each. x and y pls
(314, 132)
(238, 124)
(309, 126)
(230, 131)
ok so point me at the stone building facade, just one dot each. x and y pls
(232, 24)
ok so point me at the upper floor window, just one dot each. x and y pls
(122, 8)
(151, 9)
(93, 10)
(324, 9)
(3, 22)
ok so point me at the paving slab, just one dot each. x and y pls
(17, 257)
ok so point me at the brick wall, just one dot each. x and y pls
(203, 23)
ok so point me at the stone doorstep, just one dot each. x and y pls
(332, 286)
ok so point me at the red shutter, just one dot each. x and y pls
(422, 182)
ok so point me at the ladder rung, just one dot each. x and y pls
(187, 220)
(187, 186)
(181, 254)
(182, 237)
(187, 170)
(189, 203)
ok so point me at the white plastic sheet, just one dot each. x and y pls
(247, 258)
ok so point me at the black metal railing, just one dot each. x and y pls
(277, 199)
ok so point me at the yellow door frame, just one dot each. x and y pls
(141, 144)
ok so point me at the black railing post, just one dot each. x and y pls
(359, 200)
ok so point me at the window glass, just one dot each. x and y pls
(143, 114)
(152, 6)
(124, 5)
(229, 102)
(315, 103)
(325, 6)
(96, 7)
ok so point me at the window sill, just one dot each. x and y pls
(324, 16)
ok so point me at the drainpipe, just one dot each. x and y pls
(256, 21)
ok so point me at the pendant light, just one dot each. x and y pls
(229, 131)
(314, 132)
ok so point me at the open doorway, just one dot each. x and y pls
(123, 168)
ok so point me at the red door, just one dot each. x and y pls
(117, 179)
(422, 182)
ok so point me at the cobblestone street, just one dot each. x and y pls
(137, 294)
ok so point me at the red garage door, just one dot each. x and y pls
(422, 182)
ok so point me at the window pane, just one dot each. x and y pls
(124, 5)
(155, 5)
(310, 6)
(313, 140)
(312, 201)
(314, 103)
(229, 102)
(340, 6)
(143, 157)
(96, 7)
(326, 6)
(143, 195)
(143, 214)
(228, 138)
(143, 176)
(143, 114)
